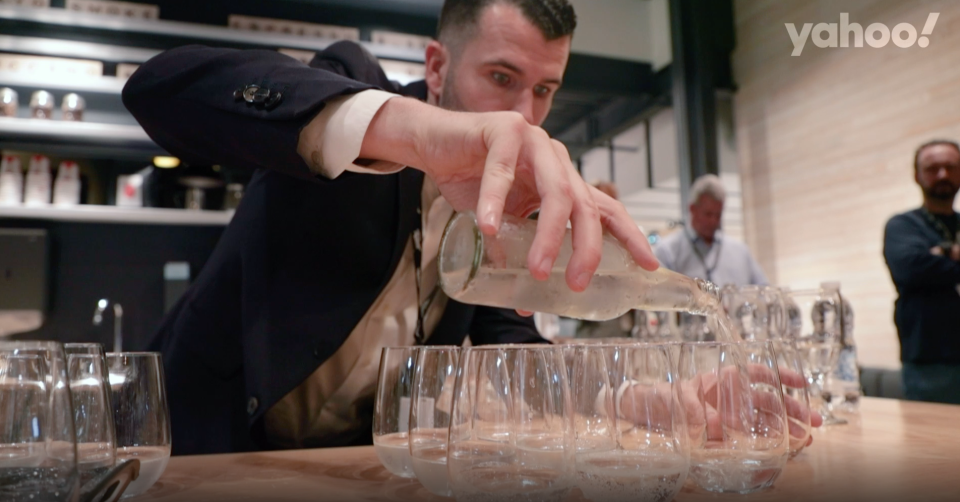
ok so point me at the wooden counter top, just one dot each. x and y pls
(899, 451)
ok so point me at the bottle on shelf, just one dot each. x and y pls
(36, 189)
(843, 383)
(11, 181)
(41, 105)
(72, 107)
(492, 271)
(9, 102)
(66, 188)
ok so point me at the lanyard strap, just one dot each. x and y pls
(419, 335)
(937, 224)
(703, 259)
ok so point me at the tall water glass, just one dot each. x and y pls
(391, 411)
(511, 430)
(92, 411)
(432, 401)
(38, 451)
(141, 416)
(814, 319)
(736, 415)
(631, 435)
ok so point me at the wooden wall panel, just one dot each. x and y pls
(826, 142)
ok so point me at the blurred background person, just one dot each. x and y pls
(922, 252)
(701, 250)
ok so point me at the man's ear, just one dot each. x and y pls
(437, 65)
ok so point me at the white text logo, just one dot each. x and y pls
(876, 35)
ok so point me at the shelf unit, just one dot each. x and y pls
(77, 138)
(81, 35)
(117, 215)
(25, 21)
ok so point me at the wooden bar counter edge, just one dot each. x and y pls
(895, 450)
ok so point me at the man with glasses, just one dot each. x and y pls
(331, 254)
(922, 251)
(701, 250)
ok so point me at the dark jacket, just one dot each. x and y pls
(927, 312)
(304, 257)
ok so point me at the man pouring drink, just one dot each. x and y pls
(332, 253)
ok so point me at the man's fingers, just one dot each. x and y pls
(619, 223)
(815, 419)
(587, 230)
(524, 313)
(555, 208)
(498, 174)
(792, 378)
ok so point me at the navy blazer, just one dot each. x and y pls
(303, 258)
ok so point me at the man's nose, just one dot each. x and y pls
(524, 106)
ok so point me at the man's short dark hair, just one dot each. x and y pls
(554, 18)
(928, 144)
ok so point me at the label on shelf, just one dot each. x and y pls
(44, 65)
(43, 4)
(399, 39)
(114, 8)
(286, 27)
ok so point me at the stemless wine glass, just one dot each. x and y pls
(141, 416)
(813, 315)
(511, 430)
(631, 439)
(92, 412)
(38, 450)
(759, 313)
(432, 399)
(391, 412)
(736, 415)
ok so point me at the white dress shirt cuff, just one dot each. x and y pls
(330, 144)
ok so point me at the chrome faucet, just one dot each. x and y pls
(117, 321)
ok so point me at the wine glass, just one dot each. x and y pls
(631, 439)
(391, 412)
(813, 319)
(736, 415)
(92, 411)
(432, 399)
(511, 430)
(140, 413)
(38, 450)
(754, 310)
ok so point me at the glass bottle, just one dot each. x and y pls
(844, 381)
(492, 271)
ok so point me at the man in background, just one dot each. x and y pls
(701, 250)
(922, 251)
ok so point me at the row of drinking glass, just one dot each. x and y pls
(811, 318)
(70, 413)
(626, 421)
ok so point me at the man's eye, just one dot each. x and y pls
(501, 78)
(541, 90)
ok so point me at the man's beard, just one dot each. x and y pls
(941, 190)
(448, 97)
